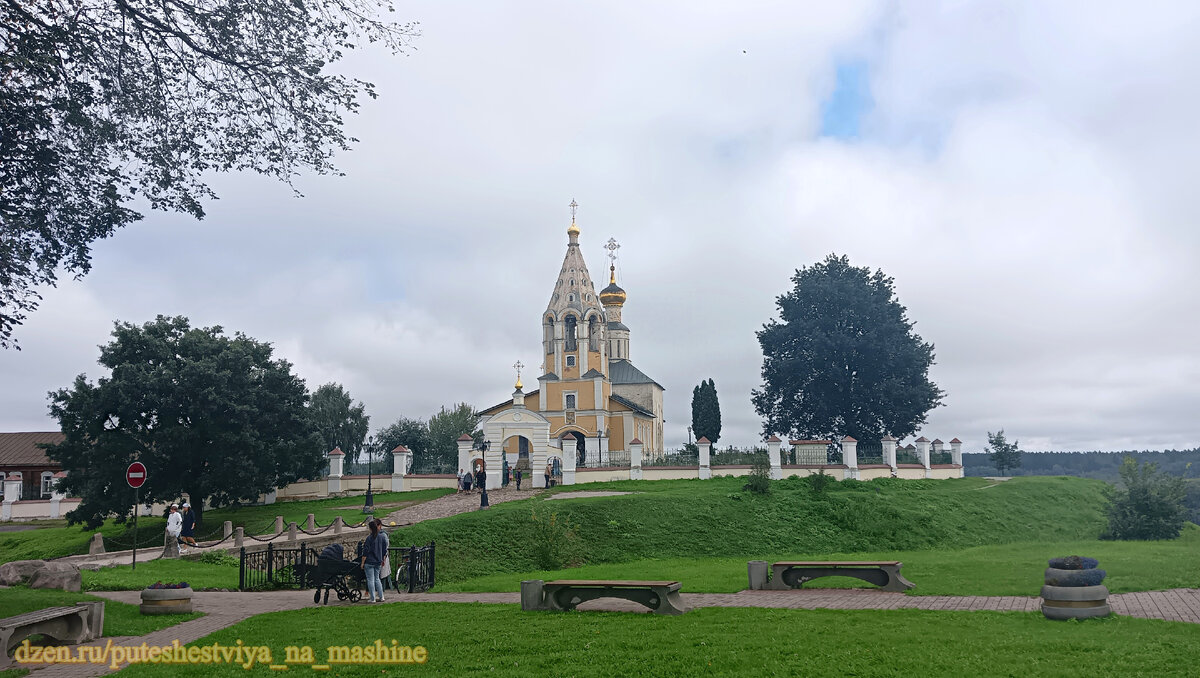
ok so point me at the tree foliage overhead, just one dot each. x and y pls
(706, 412)
(211, 416)
(338, 421)
(1148, 505)
(105, 101)
(1005, 456)
(843, 359)
(447, 426)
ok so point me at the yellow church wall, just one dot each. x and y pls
(616, 433)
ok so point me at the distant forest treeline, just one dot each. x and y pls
(1102, 465)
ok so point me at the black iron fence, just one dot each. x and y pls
(813, 455)
(412, 567)
(940, 458)
(905, 455)
(869, 452)
(608, 459)
(672, 458)
(733, 456)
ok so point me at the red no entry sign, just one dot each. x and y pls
(135, 475)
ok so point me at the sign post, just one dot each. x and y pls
(135, 475)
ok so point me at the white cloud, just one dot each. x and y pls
(1024, 175)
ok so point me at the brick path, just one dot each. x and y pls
(226, 609)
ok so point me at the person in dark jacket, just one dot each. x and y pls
(375, 549)
(187, 533)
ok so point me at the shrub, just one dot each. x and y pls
(819, 482)
(218, 557)
(759, 480)
(1150, 505)
(554, 540)
(1074, 563)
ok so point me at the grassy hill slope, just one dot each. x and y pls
(699, 519)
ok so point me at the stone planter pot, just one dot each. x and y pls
(166, 601)
(1075, 602)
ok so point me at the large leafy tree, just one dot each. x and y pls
(339, 421)
(105, 101)
(1005, 456)
(446, 427)
(706, 412)
(211, 416)
(411, 433)
(843, 359)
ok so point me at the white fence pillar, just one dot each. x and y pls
(889, 451)
(956, 452)
(705, 455)
(923, 454)
(773, 444)
(635, 459)
(336, 458)
(850, 456)
(400, 457)
(12, 492)
(465, 443)
(57, 495)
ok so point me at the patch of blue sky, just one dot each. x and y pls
(842, 113)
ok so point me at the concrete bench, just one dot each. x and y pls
(564, 594)
(80, 623)
(793, 574)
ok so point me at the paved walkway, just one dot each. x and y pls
(449, 505)
(226, 609)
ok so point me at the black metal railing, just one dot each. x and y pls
(907, 456)
(672, 458)
(414, 567)
(736, 457)
(940, 458)
(869, 452)
(813, 455)
(276, 568)
(294, 568)
(431, 467)
(609, 459)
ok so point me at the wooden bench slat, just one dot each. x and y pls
(837, 563)
(611, 584)
(39, 615)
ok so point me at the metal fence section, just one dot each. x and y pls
(905, 455)
(414, 567)
(605, 459)
(276, 568)
(673, 458)
(869, 452)
(736, 457)
(294, 568)
(940, 458)
(431, 467)
(812, 455)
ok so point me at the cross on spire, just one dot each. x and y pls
(612, 246)
(518, 366)
(574, 205)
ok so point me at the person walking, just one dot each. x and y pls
(549, 472)
(174, 526)
(517, 476)
(480, 479)
(187, 531)
(374, 550)
(461, 485)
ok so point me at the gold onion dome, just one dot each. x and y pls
(612, 295)
(572, 229)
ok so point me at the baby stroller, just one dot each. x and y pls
(335, 572)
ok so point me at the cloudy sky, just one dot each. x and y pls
(1025, 171)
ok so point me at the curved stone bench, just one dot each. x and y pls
(80, 623)
(882, 573)
(662, 597)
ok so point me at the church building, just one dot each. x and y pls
(592, 399)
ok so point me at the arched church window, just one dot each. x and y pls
(572, 282)
(550, 327)
(570, 298)
(569, 331)
(593, 334)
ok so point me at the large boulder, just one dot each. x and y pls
(56, 575)
(19, 571)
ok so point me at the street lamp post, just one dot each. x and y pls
(369, 502)
(689, 435)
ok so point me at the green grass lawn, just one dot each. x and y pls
(197, 574)
(61, 540)
(120, 619)
(994, 570)
(501, 640)
(694, 519)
